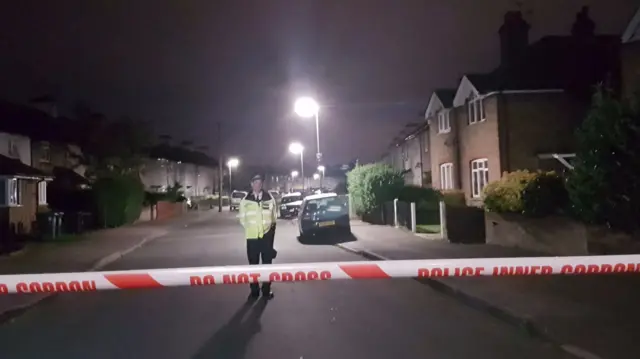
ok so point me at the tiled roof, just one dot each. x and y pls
(557, 62)
(13, 167)
(35, 124)
(446, 96)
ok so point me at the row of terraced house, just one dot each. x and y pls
(522, 115)
(38, 146)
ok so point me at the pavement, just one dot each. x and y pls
(94, 251)
(372, 319)
(588, 316)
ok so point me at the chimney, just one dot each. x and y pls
(46, 104)
(514, 37)
(583, 27)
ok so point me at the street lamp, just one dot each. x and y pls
(297, 148)
(307, 107)
(316, 176)
(232, 163)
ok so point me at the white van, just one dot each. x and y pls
(236, 197)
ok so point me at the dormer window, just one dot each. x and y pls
(475, 110)
(444, 124)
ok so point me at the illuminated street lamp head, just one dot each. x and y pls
(296, 148)
(316, 176)
(294, 174)
(233, 163)
(321, 168)
(306, 107)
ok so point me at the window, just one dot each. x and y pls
(10, 192)
(42, 193)
(479, 176)
(446, 176)
(444, 125)
(426, 141)
(476, 110)
(13, 151)
(45, 152)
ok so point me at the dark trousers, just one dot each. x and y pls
(261, 248)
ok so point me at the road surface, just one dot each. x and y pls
(338, 319)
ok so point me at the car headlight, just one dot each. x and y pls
(283, 207)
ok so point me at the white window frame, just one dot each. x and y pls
(12, 192)
(479, 176)
(446, 176)
(444, 122)
(13, 150)
(475, 110)
(45, 152)
(42, 193)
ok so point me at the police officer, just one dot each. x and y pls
(258, 214)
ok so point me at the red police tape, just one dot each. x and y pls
(298, 272)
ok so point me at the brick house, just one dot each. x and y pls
(35, 147)
(409, 153)
(168, 165)
(523, 113)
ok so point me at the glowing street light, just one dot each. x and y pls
(232, 163)
(297, 148)
(307, 107)
(316, 176)
(294, 174)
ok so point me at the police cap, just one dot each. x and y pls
(257, 177)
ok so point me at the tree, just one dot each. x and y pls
(371, 185)
(604, 186)
(111, 146)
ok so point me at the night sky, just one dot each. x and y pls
(186, 64)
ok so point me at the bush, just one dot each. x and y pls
(426, 199)
(531, 194)
(371, 185)
(119, 199)
(604, 186)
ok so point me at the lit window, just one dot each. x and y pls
(444, 125)
(446, 176)
(475, 110)
(479, 176)
(42, 193)
(10, 192)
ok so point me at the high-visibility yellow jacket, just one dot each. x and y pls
(257, 216)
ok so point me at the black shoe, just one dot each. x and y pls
(267, 295)
(274, 254)
(253, 296)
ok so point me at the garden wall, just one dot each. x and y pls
(556, 235)
(166, 210)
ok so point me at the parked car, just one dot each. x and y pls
(322, 212)
(236, 197)
(290, 205)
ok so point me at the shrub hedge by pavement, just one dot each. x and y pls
(533, 194)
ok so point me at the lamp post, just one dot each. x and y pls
(294, 174)
(232, 163)
(297, 148)
(321, 169)
(307, 107)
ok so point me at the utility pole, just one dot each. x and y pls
(220, 167)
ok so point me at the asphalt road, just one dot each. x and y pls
(338, 319)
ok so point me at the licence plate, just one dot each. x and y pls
(326, 224)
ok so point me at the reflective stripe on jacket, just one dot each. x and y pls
(257, 217)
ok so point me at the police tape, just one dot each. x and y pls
(299, 272)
